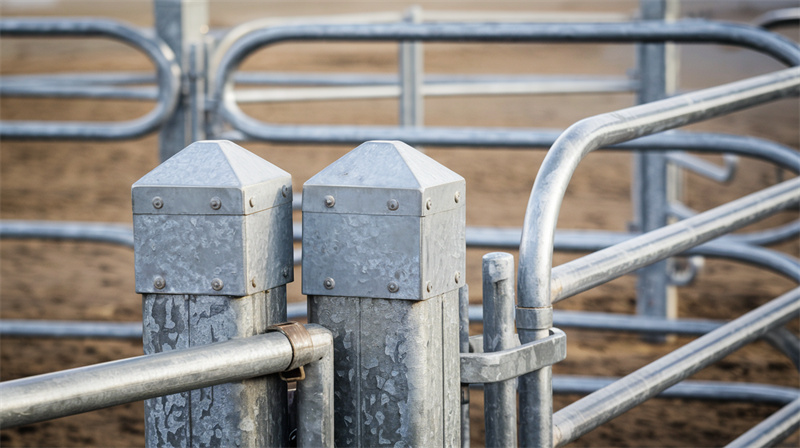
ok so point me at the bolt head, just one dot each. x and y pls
(329, 201)
(252, 202)
(328, 283)
(428, 287)
(159, 283)
(285, 271)
(393, 287)
(253, 282)
(393, 204)
(458, 277)
(158, 202)
(285, 191)
(428, 204)
(457, 197)
(216, 203)
(216, 284)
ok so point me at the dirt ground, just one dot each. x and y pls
(90, 181)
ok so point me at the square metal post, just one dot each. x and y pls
(383, 260)
(213, 253)
(182, 25)
(655, 297)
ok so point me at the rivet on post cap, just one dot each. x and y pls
(285, 191)
(158, 202)
(253, 282)
(285, 271)
(393, 204)
(458, 276)
(428, 204)
(428, 287)
(329, 201)
(393, 287)
(328, 283)
(252, 202)
(216, 284)
(457, 196)
(216, 203)
(159, 283)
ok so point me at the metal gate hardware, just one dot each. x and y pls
(302, 349)
(534, 318)
(507, 364)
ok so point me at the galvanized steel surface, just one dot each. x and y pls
(384, 221)
(168, 73)
(500, 399)
(773, 430)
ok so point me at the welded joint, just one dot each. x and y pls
(511, 363)
(302, 349)
(540, 318)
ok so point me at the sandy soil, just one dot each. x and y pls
(88, 181)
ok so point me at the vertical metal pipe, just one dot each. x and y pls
(654, 296)
(182, 24)
(315, 394)
(463, 339)
(500, 398)
(411, 69)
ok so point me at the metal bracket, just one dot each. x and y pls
(302, 349)
(534, 318)
(511, 363)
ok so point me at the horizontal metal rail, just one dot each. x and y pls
(536, 247)
(549, 86)
(773, 430)
(778, 17)
(690, 390)
(80, 91)
(684, 31)
(602, 266)
(589, 412)
(168, 74)
(69, 392)
(704, 168)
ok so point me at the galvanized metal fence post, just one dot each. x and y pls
(213, 253)
(500, 409)
(383, 261)
(655, 297)
(183, 24)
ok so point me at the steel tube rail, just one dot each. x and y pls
(168, 73)
(549, 87)
(85, 231)
(69, 392)
(689, 389)
(605, 265)
(66, 91)
(82, 79)
(589, 412)
(773, 430)
(684, 31)
(777, 18)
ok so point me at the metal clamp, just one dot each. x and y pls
(511, 363)
(534, 318)
(302, 349)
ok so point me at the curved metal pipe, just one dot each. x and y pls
(167, 71)
(690, 31)
(536, 248)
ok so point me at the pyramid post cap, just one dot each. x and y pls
(364, 180)
(243, 182)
